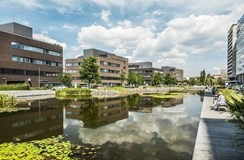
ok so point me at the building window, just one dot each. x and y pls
(34, 49)
(35, 61)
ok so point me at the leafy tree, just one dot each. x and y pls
(122, 77)
(65, 79)
(157, 79)
(168, 79)
(140, 79)
(202, 77)
(89, 71)
(132, 78)
(192, 81)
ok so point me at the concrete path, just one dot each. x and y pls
(31, 94)
(217, 137)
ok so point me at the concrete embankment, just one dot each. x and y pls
(217, 137)
(31, 94)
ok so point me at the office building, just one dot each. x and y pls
(110, 67)
(240, 51)
(146, 70)
(174, 72)
(27, 60)
(231, 53)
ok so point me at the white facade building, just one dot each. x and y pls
(240, 51)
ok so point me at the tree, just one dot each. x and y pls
(192, 81)
(140, 79)
(132, 78)
(169, 80)
(122, 77)
(65, 79)
(89, 71)
(157, 79)
(202, 77)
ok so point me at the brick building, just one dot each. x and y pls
(26, 60)
(110, 67)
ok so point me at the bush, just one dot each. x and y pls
(73, 92)
(235, 103)
(7, 87)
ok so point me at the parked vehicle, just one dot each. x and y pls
(58, 87)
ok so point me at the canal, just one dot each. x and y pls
(132, 127)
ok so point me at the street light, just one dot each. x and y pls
(39, 78)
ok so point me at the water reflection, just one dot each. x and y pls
(161, 131)
(132, 127)
(43, 120)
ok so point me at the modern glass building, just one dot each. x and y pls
(240, 51)
(231, 53)
(27, 60)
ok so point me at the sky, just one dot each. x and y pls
(187, 34)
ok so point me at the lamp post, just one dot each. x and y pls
(39, 77)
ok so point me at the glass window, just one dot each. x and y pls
(34, 49)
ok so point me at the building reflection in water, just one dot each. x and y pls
(170, 102)
(96, 113)
(43, 120)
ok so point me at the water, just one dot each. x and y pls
(131, 127)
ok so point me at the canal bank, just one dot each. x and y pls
(31, 94)
(217, 137)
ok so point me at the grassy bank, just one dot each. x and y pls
(72, 92)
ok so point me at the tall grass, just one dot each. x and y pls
(7, 87)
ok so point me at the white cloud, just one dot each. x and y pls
(45, 38)
(125, 24)
(105, 15)
(30, 4)
(70, 27)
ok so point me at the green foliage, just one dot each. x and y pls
(192, 81)
(122, 76)
(135, 79)
(202, 77)
(235, 103)
(157, 79)
(140, 79)
(169, 80)
(62, 93)
(7, 87)
(7, 100)
(132, 78)
(65, 79)
(89, 71)
(51, 148)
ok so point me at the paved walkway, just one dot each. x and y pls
(31, 94)
(217, 138)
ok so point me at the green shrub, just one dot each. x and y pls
(73, 92)
(7, 87)
(235, 103)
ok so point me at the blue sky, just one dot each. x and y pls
(187, 34)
